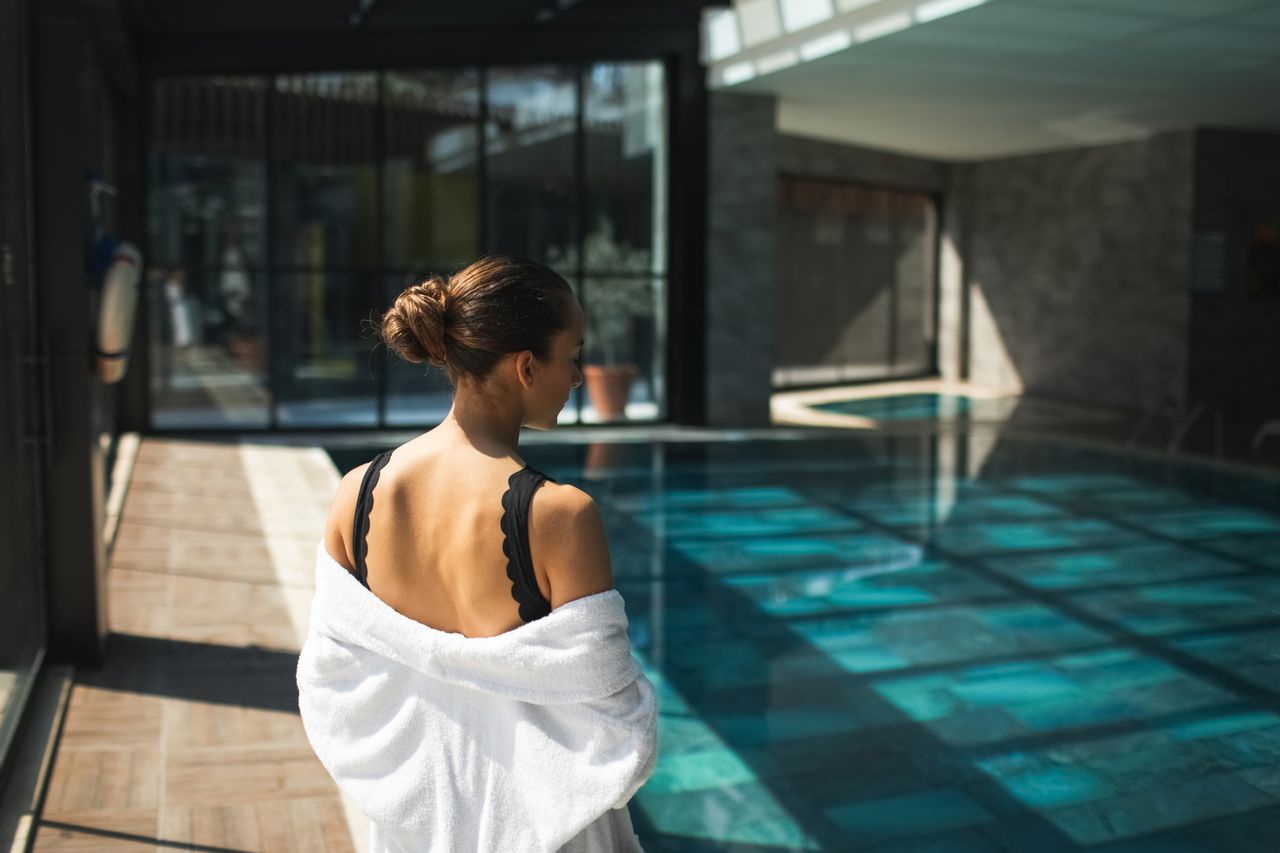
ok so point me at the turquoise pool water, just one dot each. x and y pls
(914, 407)
(860, 647)
(933, 408)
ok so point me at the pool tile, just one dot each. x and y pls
(966, 510)
(1054, 787)
(922, 698)
(1215, 724)
(871, 587)
(921, 813)
(712, 768)
(679, 735)
(993, 539)
(780, 725)
(787, 521)
(1111, 567)
(1015, 688)
(976, 727)
(1165, 807)
(1263, 550)
(1101, 481)
(1062, 712)
(1207, 523)
(744, 497)
(960, 841)
(796, 552)
(744, 813)
(1188, 606)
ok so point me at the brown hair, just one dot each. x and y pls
(465, 323)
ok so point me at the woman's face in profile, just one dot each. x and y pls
(571, 340)
(562, 373)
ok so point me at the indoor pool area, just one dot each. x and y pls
(952, 643)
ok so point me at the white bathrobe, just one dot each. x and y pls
(533, 740)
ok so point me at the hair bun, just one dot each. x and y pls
(415, 326)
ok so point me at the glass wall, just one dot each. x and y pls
(856, 290)
(22, 453)
(286, 212)
(324, 248)
(624, 261)
(22, 606)
(207, 230)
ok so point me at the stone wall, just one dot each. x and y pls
(816, 158)
(742, 210)
(1077, 265)
(1067, 275)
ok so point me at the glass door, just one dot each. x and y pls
(856, 283)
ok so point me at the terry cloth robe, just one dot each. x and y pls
(533, 740)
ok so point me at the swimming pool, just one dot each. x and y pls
(932, 642)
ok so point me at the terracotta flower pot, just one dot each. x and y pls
(247, 352)
(609, 387)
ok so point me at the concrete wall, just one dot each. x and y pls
(1077, 265)
(1235, 332)
(740, 259)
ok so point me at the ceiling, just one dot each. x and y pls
(159, 18)
(1018, 76)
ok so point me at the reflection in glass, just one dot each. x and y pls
(257, 293)
(625, 149)
(529, 147)
(623, 254)
(324, 144)
(206, 242)
(325, 372)
(431, 186)
(855, 298)
(621, 352)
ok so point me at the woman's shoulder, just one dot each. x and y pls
(567, 539)
(338, 526)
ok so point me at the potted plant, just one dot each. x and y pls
(617, 289)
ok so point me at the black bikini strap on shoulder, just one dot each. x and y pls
(364, 503)
(516, 502)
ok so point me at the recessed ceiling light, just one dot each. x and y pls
(825, 44)
(882, 26)
(738, 72)
(935, 9)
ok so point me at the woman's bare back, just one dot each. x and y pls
(434, 543)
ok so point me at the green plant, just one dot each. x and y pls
(616, 286)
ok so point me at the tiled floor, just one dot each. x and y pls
(190, 736)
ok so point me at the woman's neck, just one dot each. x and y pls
(480, 421)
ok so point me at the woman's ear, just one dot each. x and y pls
(524, 368)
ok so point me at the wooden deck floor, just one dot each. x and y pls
(189, 737)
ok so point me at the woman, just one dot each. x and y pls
(467, 677)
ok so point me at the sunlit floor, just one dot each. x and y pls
(960, 643)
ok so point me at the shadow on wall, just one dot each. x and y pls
(1078, 267)
(1143, 277)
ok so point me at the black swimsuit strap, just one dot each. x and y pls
(516, 501)
(364, 503)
